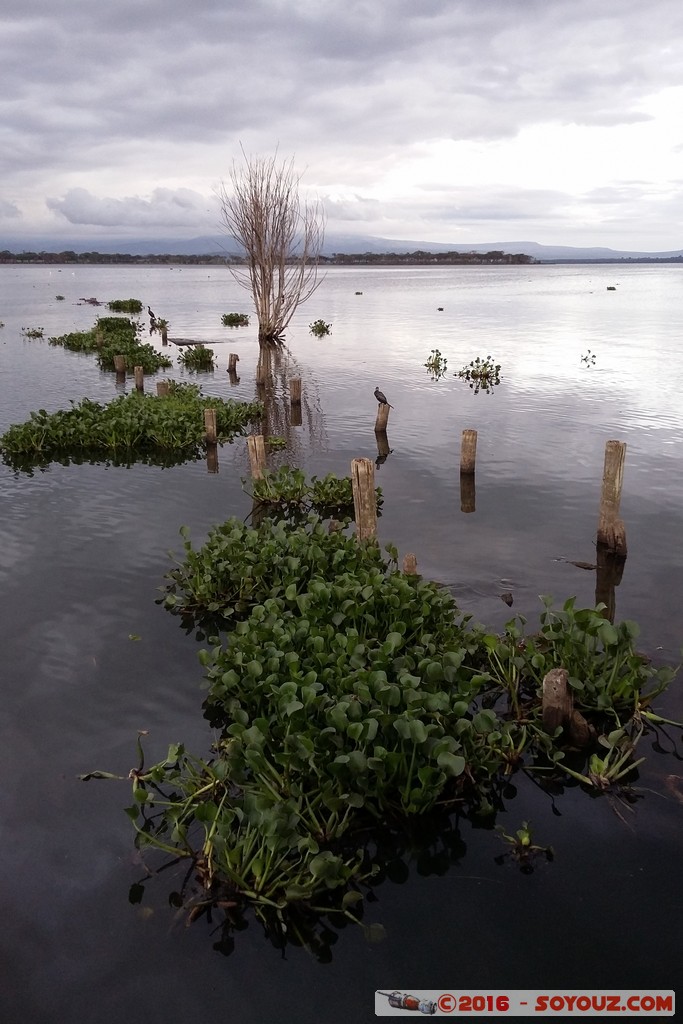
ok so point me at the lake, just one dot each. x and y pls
(85, 548)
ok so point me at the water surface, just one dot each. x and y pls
(84, 550)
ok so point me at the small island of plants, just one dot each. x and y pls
(349, 697)
(131, 428)
(112, 336)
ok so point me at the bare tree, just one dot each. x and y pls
(281, 235)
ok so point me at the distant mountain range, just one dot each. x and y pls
(216, 245)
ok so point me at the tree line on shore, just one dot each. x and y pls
(418, 257)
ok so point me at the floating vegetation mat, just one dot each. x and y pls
(112, 336)
(352, 701)
(132, 428)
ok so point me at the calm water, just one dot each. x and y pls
(84, 549)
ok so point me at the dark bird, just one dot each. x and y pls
(382, 398)
(152, 316)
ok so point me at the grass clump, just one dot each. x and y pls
(131, 428)
(32, 333)
(125, 306)
(197, 358)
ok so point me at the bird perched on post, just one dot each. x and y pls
(151, 314)
(382, 398)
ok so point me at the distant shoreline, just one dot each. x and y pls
(412, 259)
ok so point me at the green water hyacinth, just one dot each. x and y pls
(112, 336)
(197, 358)
(133, 427)
(125, 306)
(348, 698)
(235, 320)
(288, 494)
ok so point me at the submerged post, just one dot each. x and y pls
(163, 387)
(139, 378)
(120, 364)
(257, 455)
(210, 426)
(233, 360)
(611, 529)
(468, 452)
(295, 390)
(364, 502)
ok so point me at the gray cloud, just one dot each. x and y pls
(165, 208)
(9, 211)
(148, 100)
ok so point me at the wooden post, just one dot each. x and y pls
(210, 425)
(364, 501)
(611, 530)
(163, 387)
(257, 455)
(99, 337)
(410, 565)
(233, 360)
(295, 390)
(120, 364)
(139, 378)
(468, 452)
(382, 418)
(233, 378)
(164, 335)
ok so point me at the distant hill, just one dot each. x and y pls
(215, 245)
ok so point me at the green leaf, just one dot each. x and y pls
(454, 764)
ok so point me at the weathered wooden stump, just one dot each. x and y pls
(295, 390)
(233, 360)
(210, 425)
(139, 378)
(382, 418)
(364, 501)
(163, 388)
(257, 455)
(558, 709)
(611, 530)
(120, 364)
(410, 564)
(468, 452)
(557, 704)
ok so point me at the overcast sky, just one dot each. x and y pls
(557, 121)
